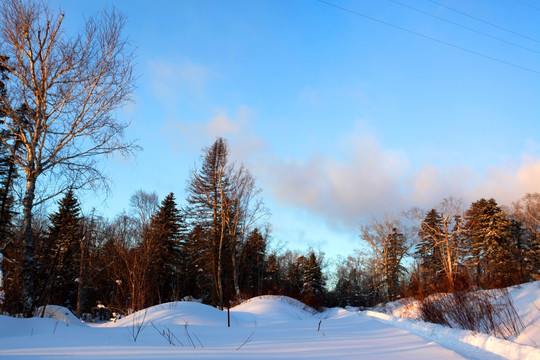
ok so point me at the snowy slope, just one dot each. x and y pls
(269, 327)
(526, 300)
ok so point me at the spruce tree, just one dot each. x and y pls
(7, 169)
(251, 262)
(166, 235)
(313, 282)
(272, 274)
(491, 250)
(61, 265)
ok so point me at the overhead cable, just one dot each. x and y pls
(484, 21)
(357, 13)
(465, 27)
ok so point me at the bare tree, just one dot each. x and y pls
(389, 243)
(527, 211)
(447, 238)
(61, 96)
(145, 204)
(242, 208)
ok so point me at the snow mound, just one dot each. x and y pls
(175, 313)
(272, 309)
(59, 313)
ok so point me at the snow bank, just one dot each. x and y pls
(526, 300)
(454, 338)
(274, 309)
(525, 297)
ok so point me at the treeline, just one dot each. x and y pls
(445, 249)
(214, 248)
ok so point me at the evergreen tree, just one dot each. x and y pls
(272, 274)
(428, 249)
(350, 283)
(313, 291)
(206, 191)
(396, 251)
(61, 265)
(491, 251)
(7, 170)
(251, 269)
(166, 236)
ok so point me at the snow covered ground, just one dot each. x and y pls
(268, 327)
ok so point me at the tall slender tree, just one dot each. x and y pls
(61, 96)
(223, 198)
(206, 191)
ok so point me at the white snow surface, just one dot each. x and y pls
(267, 327)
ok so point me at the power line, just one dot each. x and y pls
(483, 21)
(529, 4)
(465, 27)
(429, 37)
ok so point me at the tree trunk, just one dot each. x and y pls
(220, 268)
(2, 291)
(235, 275)
(28, 264)
(82, 278)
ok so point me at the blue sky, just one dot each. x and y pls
(339, 117)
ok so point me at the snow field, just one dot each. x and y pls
(267, 327)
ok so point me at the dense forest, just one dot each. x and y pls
(216, 248)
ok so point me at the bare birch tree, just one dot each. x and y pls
(61, 96)
(388, 244)
(447, 237)
(242, 208)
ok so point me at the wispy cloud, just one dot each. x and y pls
(363, 179)
(236, 128)
(171, 80)
(368, 179)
